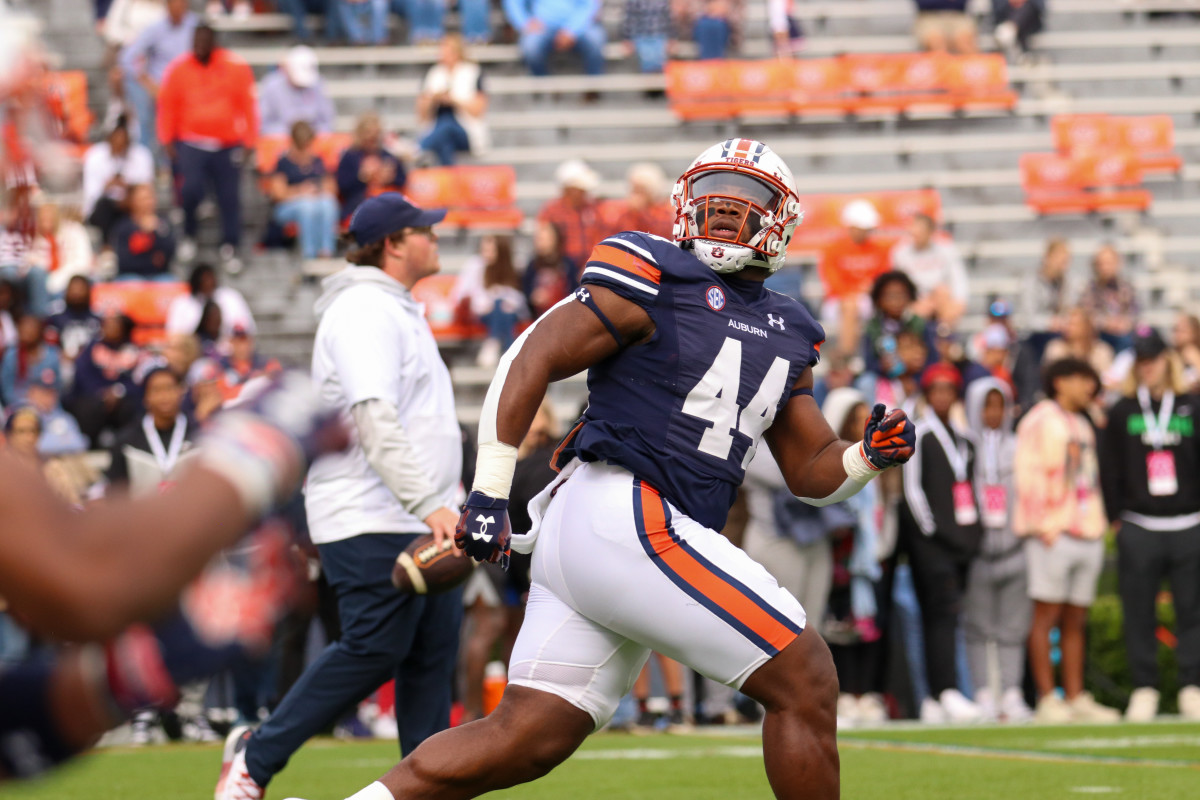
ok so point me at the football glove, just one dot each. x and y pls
(483, 531)
(889, 439)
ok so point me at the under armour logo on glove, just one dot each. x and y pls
(478, 533)
(889, 440)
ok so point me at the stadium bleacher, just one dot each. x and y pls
(1095, 57)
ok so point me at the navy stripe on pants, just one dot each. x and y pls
(220, 170)
(385, 634)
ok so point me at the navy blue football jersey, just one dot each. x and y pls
(685, 410)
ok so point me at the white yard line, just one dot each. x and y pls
(1013, 755)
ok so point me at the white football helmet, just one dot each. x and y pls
(736, 207)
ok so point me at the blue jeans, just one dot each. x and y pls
(317, 221)
(426, 18)
(37, 296)
(364, 22)
(299, 9)
(476, 18)
(536, 49)
(385, 634)
(144, 107)
(712, 37)
(500, 324)
(446, 139)
(651, 52)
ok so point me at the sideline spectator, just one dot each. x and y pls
(74, 325)
(1047, 297)
(903, 389)
(1079, 340)
(306, 194)
(1017, 21)
(452, 103)
(475, 20)
(1110, 299)
(60, 250)
(17, 228)
(852, 623)
(647, 207)
(300, 9)
(575, 212)
(60, 432)
(489, 283)
(547, 26)
(672, 678)
(104, 395)
(126, 19)
(109, 169)
(243, 363)
(941, 532)
(549, 276)
(292, 93)
(367, 168)
(146, 60)
(997, 610)
(364, 21)
(849, 266)
(936, 268)
(646, 29)
(1151, 456)
(183, 315)
(787, 33)
(210, 330)
(144, 242)
(996, 353)
(1060, 512)
(944, 26)
(31, 359)
(1185, 340)
(893, 296)
(713, 30)
(149, 453)
(207, 120)
(426, 19)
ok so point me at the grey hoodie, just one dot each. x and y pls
(994, 467)
(353, 276)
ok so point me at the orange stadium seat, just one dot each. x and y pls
(765, 87)
(978, 80)
(145, 302)
(267, 152)
(702, 89)
(1079, 133)
(330, 147)
(476, 196)
(1152, 139)
(1059, 184)
(448, 317)
(819, 86)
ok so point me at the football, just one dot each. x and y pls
(425, 568)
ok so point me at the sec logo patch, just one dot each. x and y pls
(715, 297)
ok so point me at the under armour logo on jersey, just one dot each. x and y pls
(774, 321)
(482, 534)
(582, 295)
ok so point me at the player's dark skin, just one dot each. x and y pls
(531, 731)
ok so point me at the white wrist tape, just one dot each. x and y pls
(494, 467)
(854, 461)
(376, 791)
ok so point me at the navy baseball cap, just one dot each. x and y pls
(387, 213)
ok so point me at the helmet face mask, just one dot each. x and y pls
(736, 207)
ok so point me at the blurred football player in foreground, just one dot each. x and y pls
(691, 362)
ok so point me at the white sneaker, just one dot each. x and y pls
(958, 708)
(847, 710)
(1053, 710)
(871, 709)
(987, 704)
(1013, 707)
(229, 259)
(932, 712)
(235, 782)
(1189, 702)
(1084, 708)
(199, 729)
(186, 252)
(1143, 705)
(142, 729)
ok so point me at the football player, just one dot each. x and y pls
(691, 363)
(88, 576)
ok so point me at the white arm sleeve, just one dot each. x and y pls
(859, 473)
(391, 455)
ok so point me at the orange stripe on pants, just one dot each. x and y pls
(714, 587)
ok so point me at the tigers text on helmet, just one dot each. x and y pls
(736, 207)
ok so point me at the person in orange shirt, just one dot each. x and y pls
(207, 114)
(849, 266)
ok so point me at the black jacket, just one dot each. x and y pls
(929, 493)
(1124, 447)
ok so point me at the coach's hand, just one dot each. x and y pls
(483, 530)
(442, 524)
(889, 439)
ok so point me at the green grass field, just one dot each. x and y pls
(1161, 760)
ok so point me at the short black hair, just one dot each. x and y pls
(161, 370)
(1066, 368)
(887, 278)
(198, 272)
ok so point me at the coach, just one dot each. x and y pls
(375, 358)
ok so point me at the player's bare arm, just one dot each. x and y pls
(822, 468)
